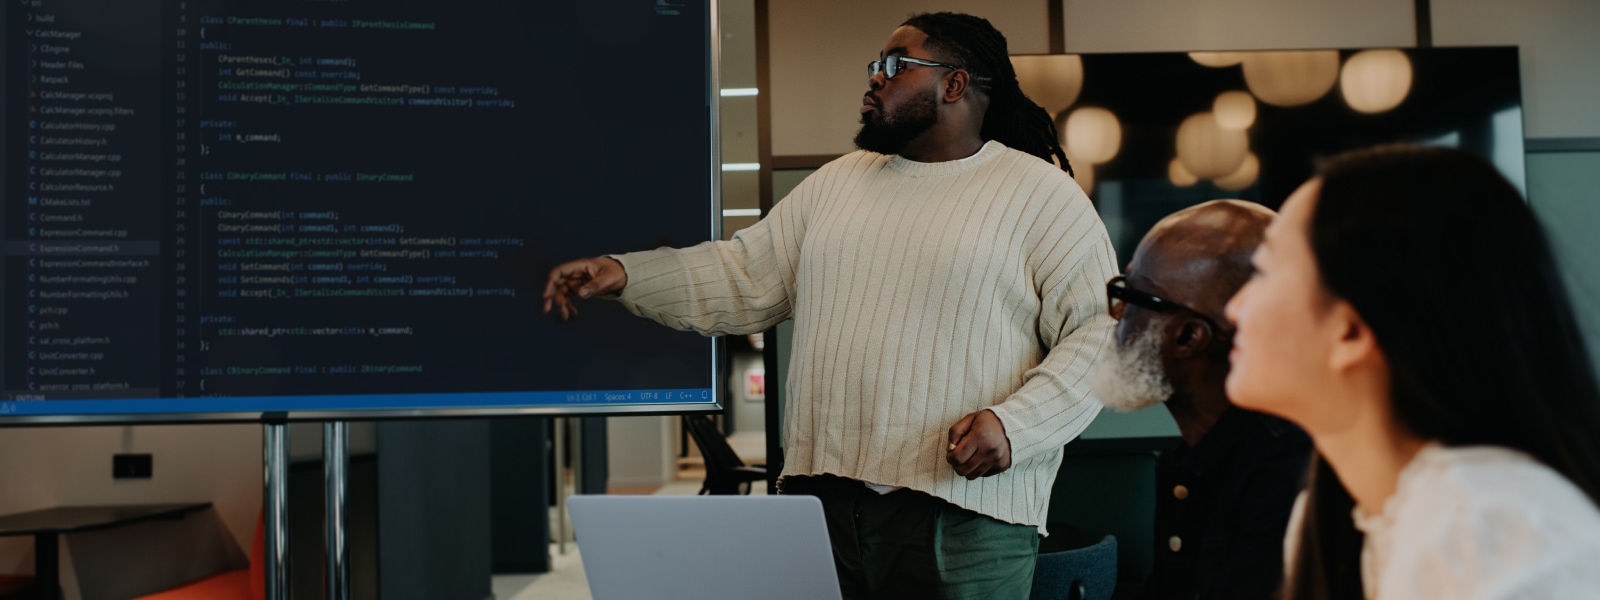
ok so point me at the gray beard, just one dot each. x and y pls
(1129, 377)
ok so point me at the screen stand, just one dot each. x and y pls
(561, 484)
(335, 483)
(275, 453)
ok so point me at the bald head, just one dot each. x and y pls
(1200, 256)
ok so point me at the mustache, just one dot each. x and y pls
(873, 98)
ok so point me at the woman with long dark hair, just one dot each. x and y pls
(1407, 312)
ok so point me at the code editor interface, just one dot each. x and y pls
(211, 201)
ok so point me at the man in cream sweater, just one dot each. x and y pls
(946, 283)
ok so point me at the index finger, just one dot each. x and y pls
(551, 281)
(959, 429)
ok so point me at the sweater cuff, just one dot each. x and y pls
(1030, 436)
(655, 278)
(645, 270)
(1015, 430)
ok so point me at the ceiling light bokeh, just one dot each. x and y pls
(1092, 134)
(1218, 59)
(1051, 81)
(1083, 173)
(1207, 149)
(1180, 176)
(1235, 109)
(1375, 81)
(1242, 178)
(1291, 78)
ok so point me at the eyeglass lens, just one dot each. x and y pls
(887, 66)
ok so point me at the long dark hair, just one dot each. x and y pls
(1449, 267)
(1011, 119)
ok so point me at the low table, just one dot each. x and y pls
(46, 527)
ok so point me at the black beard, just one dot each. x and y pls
(889, 133)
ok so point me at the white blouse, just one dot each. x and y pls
(1478, 523)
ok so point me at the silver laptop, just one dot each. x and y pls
(704, 547)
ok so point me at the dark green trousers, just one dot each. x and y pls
(910, 545)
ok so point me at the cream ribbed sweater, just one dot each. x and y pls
(921, 292)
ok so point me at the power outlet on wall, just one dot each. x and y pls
(131, 466)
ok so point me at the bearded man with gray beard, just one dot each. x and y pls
(1223, 496)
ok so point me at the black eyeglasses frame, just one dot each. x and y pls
(890, 65)
(1119, 295)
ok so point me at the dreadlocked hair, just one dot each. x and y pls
(1011, 119)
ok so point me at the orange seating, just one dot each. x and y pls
(243, 584)
(12, 584)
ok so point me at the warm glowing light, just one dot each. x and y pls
(1052, 81)
(1244, 177)
(1374, 81)
(1092, 134)
(1180, 176)
(1291, 78)
(1218, 59)
(1083, 173)
(1207, 149)
(1235, 109)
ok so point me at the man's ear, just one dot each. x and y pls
(1193, 338)
(956, 85)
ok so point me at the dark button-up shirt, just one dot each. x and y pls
(1222, 507)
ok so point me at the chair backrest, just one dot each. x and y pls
(719, 456)
(1082, 574)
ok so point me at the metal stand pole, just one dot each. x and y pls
(275, 453)
(561, 484)
(335, 483)
(575, 439)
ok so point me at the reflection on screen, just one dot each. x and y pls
(1150, 134)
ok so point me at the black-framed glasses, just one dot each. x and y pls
(1119, 296)
(890, 66)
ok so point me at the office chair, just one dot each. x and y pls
(1081, 574)
(725, 473)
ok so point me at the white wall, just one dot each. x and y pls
(819, 52)
(1560, 47)
(1183, 25)
(65, 466)
(642, 450)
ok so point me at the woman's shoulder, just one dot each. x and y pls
(1487, 478)
(1491, 518)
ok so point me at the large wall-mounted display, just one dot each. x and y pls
(215, 209)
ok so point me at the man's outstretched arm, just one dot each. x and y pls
(743, 285)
